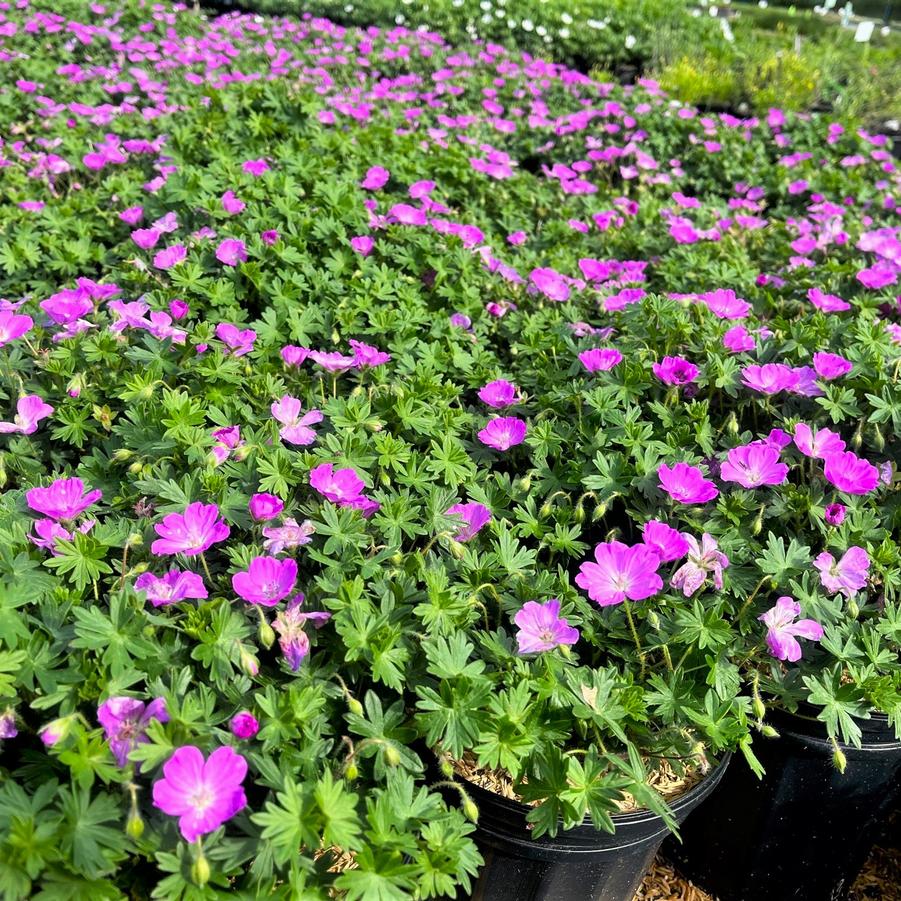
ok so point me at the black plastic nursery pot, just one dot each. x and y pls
(804, 831)
(581, 864)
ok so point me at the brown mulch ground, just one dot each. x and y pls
(880, 880)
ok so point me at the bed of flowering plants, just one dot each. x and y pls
(365, 399)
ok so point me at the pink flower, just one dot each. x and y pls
(266, 581)
(133, 215)
(362, 244)
(821, 444)
(146, 238)
(231, 251)
(541, 628)
(474, 517)
(376, 177)
(499, 393)
(171, 588)
(178, 309)
(503, 432)
(754, 465)
(13, 325)
(600, 359)
(264, 507)
(292, 355)
(686, 484)
(783, 631)
(46, 533)
(850, 473)
(806, 384)
(8, 728)
(63, 499)
(828, 303)
(295, 428)
(339, 486)
(848, 575)
(702, 559)
(738, 340)
(665, 541)
(366, 356)
(675, 371)
(170, 256)
(332, 361)
(834, 514)
(287, 536)
(125, 720)
(244, 725)
(255, 167)
(232, 204)
(831, 366)
(269, 237)
(550, 283)
(30, 410)
(293, 640)
(239, 341)
(67, 306)
(190, 533)
(620, 572)
(770, 378)
(203, 794)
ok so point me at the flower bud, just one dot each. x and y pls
(456, 549)
(244, 725)
(759, 708)
(579, 513)
(355, 707)
(392, 755)
(8, 724)
(653, 619)
(758, 523)
(134, 826)
(249, 663)
(135, 468)
(768, 731)
(385, 479)
(242, 452)
(839, 759)
(853, 609)
(351, 772)
(335, 336)
(545, 510)
(525, 483)
(267, 634)
(200, 871)
(470, 810)
(446, 767)
(123, 455)
(136, 539)
(396, 559)
(732, 424)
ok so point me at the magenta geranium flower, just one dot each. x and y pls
(13, 325)
(686, 484)
(474, 517)
(266, 581)
(828, 303)
(125, 721)
(170, 256)
(754, 465)
(600, 359)
(499, 393)
(190, 533)
(290, 534)
(503, 432)
(264, 506)
(738, 340)
(174, 586)
(376, 177)
(255, 167)
(666, 542)
(292, 355)
(820, 444)
(295, 427)
(332, 361)
(244, 725)
(30, 410)
(203, 794)
(834, 514)
(806, 384)
(675, 371)
(703, 559)
(63, 499)
(541, 628)
(850, 473)
(231, 251)
(232, 204)
(620, 572)
(831, 366)
(783, 632)
(67, 306)
(239, 341)
(339, 486)
(362, 244)
(770, 378)
(366, 356)
(550, 283)
(293, 640)
(847, 575)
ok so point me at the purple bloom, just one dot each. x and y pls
(362, 244)
(835, 514)
(666, 542)
(459, 320)
(600, 359)
(146, 238)
(503, 432)
(266, 581)
(264, 507)
(848, 575)
(292, 355)
(125, 721)
(67, 306)
(8, 725)
(702, 559)
(783, 632)
(255, 167)
(376, 177)
(620, 572)
(828, 303)
(295, 428)
(338, 486)
(239, 341)
(203, 794)
(367, 356)
(541, 628)
(232, 204)
(686, 484)
(63, 499)
(850, 473)
(821, 444)
(13, 325)
(174, 586)
(754, 465)
(170, 256)
(499, 393)
(738, 339)
(770, 378)
(244, 725)
(231, 251)
(474, 517)
(269, 237)
(806, 384)
(550, 283)
(288, 535)
(30, 410)
(293, 640)
(332, 361)
(190, 533)
(831, 366)
(675, 371)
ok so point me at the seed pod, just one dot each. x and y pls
(839, 759)
(768, 731)
(470, 810)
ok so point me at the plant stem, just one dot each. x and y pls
(634, 631)
(751, 597)
(206, 568)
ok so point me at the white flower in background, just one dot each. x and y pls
(630, 41)
(399, 19)
(528, 25)
(486, 19)
(566, 18)
(564, 33)
(541, 31)
(349, 8)
(485, 5)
